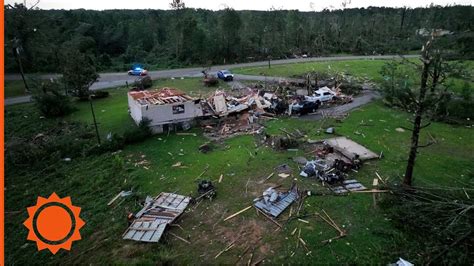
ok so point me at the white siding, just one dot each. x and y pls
(135, 109)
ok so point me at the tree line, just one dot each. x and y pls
(114, 39)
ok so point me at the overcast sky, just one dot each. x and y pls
(303, 5)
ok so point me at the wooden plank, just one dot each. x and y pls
(237, 213)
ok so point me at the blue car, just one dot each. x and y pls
(225, 75)
(137, 70)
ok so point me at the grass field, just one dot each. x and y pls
(366, 69)
(14, 88)
(92, 181)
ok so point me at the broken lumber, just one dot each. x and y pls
(237, 213)
(115, 198)
(242, 255)
(268, 217)
(186, 134)
(268, 177)
(180, 238)
(220, 178)
(371, 191)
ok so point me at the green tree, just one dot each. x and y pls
(422, 96)
(79, 73)
(230, 24)
(50, 100)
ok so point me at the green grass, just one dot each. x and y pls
(367, 69)
(14, 88)
(362, 68)
(93, 181)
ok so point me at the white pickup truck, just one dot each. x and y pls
(323, 94)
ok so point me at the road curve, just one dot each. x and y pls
(110, 80)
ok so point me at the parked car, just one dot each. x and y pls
(321, 95)
(304, 107)
(225, 75)
(137, 70)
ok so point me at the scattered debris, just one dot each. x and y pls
(399, 129)
(283, 175)
(268, 177)
(237, 213)
(205, 148)
(150, 222)
(206, 189)
(283, 169)
(274, 202)
(348, 185)
(330, 130)
(178, 164)
(331, 222)
(120, 194)
(300, 160)
(350, 148)
(402, 262)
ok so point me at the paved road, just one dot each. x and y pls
(110, 80)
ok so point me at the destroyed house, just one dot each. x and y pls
(167, 108)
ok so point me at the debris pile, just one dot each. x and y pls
(150, 222)
(334, 159)
(274, 202)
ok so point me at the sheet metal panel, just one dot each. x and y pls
(152, 220)
(276, 208)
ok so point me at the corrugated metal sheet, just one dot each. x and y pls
(157, 213)
(348, 185)
(276, 208)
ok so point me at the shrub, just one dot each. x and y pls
(64, 140)
(100, 94)
(50, 101)
(211, 82)
(138, 134)
(143, 82)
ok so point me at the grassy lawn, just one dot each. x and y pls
(368, 69)
(92, 181)
(363, 68)
(14, 88)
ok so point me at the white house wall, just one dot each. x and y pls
(135, 110)
(163, 114)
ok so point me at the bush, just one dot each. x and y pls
(138, 134)
(50, 101)
(115, 143)
(100, 94)
(211, 82)
(64, 140)
(143, 82)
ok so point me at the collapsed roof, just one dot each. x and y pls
(160, 96)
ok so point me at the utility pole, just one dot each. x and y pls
(16, 53)
(95, 121)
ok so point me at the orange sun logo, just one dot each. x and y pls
(54, 223)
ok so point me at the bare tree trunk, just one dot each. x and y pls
(20, 65)
(417, 123)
